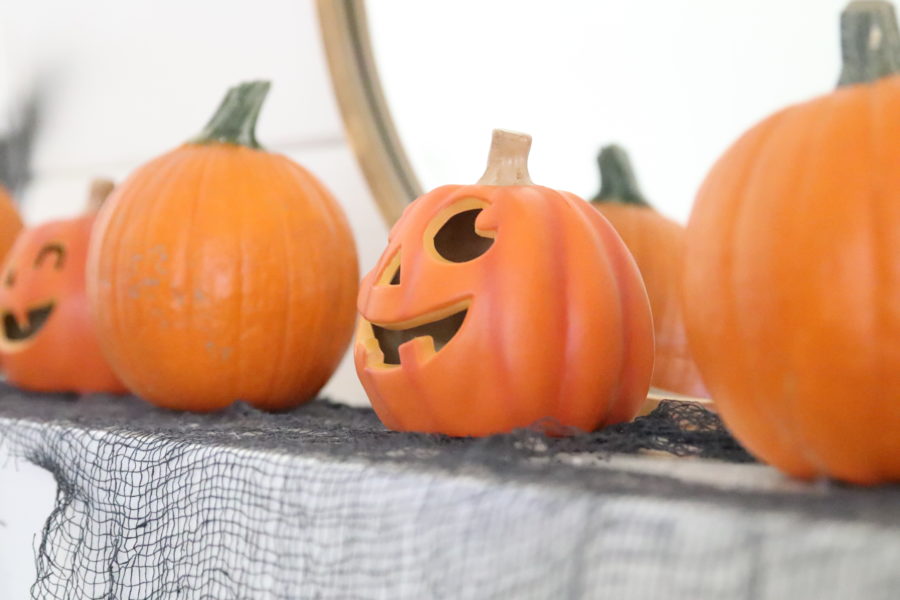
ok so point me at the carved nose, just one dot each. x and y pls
(390, 274)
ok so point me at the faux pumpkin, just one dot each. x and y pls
(223, 272)
(657, 244)
(500, 305)
(792, 280)
(48, 342)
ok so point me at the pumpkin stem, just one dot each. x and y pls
(617, 180)
(99, 191)
(508, 159)
(870, 42)
(235, 119)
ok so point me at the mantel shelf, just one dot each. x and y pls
(323, 502)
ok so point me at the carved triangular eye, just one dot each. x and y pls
(457, 240)
(395, 280)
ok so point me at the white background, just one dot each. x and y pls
(675, 82)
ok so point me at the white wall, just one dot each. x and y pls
(27, 496)
(674, 81)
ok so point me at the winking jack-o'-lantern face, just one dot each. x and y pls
(501, 305)
(47, 339)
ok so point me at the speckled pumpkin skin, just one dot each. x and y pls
(221, 273)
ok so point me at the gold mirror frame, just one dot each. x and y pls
(367, 119)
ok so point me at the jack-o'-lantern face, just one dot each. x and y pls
(452, 238)
(498, 306)
(32, 286)
(47, 338)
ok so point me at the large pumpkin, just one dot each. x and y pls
(792, 284)
(657, 244)
(500, 305)
(222, 272)
(48, 342)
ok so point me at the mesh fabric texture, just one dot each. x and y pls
(323, 502)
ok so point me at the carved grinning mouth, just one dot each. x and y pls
(441, 331)
(37, 317)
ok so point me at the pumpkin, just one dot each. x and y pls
(48, 342)
(222, 272)
(10, 226)
(10, 222)
(792, 279)
(500, 305)
(657, 244)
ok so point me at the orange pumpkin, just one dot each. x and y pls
(222, 272)
(10, 222)
(657, 244)
(792, 283)
(10, 227)
(48, 342)
(502, 304)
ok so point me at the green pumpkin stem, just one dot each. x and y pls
(870, 42)
(617, 180)
(235, 119)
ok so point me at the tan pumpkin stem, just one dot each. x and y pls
(100, 190)
(870, 42)
(508, 159)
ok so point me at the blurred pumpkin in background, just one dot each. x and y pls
(500, 305)
(10, 222)
(16, 146)
(222, 272)
(48, 342)
(10, 227)
(792, 279)
(657, 244)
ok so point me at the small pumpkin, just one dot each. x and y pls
(47, 341)
(657, 244)
(10, 227)
(792, 279)
(222, 272)
(10, 222)
(500, 305)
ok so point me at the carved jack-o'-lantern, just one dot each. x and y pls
(47, 340)
(501, 305)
